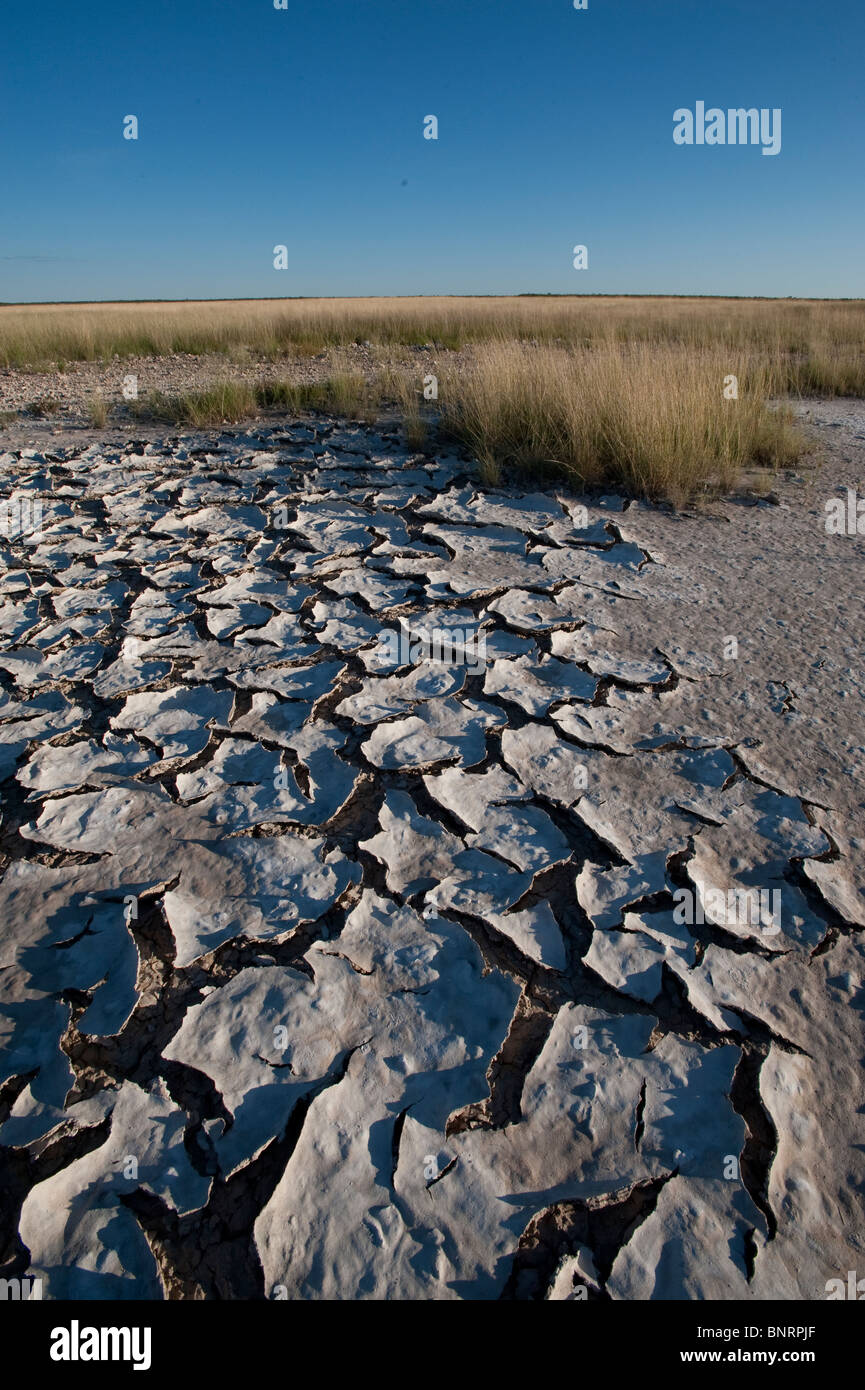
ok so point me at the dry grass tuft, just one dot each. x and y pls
(97, 410)
(227, 402)
(652, 420)
(43, 406)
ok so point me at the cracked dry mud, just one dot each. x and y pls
(324, 976)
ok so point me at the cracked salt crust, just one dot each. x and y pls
(394, 945)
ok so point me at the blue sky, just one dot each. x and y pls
(304, 127)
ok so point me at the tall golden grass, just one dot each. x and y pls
(652, 419)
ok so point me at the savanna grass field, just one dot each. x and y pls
(662, 397)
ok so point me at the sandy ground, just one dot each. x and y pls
(347, 960)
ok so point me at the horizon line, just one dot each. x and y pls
(520, 294)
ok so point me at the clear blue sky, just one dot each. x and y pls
(303, 126)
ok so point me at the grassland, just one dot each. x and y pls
(825, 332)
(612, 391)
